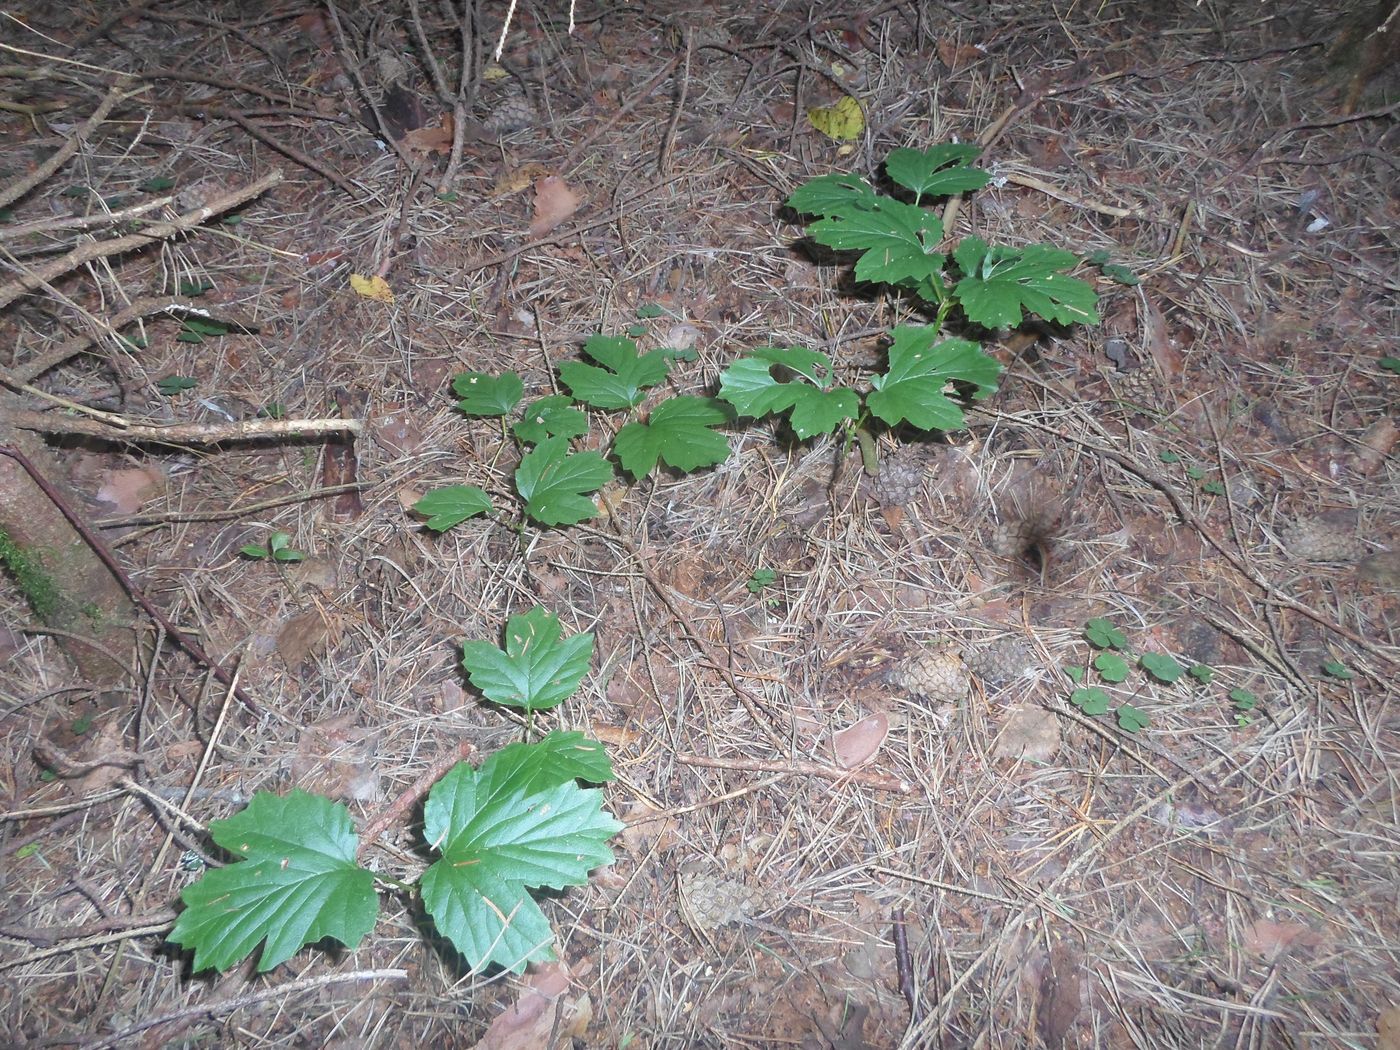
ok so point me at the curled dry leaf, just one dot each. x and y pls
(859, 741)
(435, 138)
(554, 202)
(127, 490)
(530, 1021)
(1376, 444)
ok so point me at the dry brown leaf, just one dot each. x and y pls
(1268, 939)
(616, 736)
(106, 744)
(127, 490)
(1376, 444)
(1030, 733)
(859, 741)
(299, 638)
(513, 180)
(529, 1022)
(1388, 1029)
(1158, 342)
(554, 202)
(646, 828)
(953, 54)
(435, 138)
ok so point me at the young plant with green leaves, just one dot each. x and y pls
(519, 821)
(898, 243)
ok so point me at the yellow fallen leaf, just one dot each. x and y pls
(843, 121)
(494, 71)
(376, 288)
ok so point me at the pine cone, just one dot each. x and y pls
(1138, 386)
(901, 476)
(708, 902)
(1327, 537)
(1001, 662)
(511, 112)
(937, 676)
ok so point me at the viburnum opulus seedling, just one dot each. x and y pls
(926, 379)
(519, 820)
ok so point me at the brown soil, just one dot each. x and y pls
(1211, 469)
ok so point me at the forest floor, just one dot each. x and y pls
(1210, 470)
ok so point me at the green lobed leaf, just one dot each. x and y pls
(834, 194)
(750, 386)
(296, 882)
(1102, 634)
(938, 171)
(555, 483)
(999, 283)
(537, 669)
(1201, 673)
(1161, 667)
(506, 827)
(1243, 699)
(1336, 669)
(899, 240)
(1130, 719)
(623, 377)
(452, 505)
(1091, 700)
(553, 416)
(913, 388)
(1111, 666)
(483, 394)
(678, 432)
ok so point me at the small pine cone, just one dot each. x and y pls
(511, 112)
(901, 476)
(708, 902)
(1328, 537)
(1138, 386)
(1001, 662)
(1026, 528)
(938, 676)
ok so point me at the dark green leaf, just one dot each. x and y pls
(1336, 669)
(1161, 667)
(538, 668)
(502, 829)
(678, 432)
(296, 882)
(452, 505)
(553, 416)
(1243, 699)
(650, 310)
(999, 283)
(1091, 700)
(938, 171)
(556, 483)
(172, 385)
(915, 388)
(622, 379)
(483, 394)
(898, 241)
(1130, 719)
(1101, 634)
(157, 184)
(1111, 666)
(1202, 673)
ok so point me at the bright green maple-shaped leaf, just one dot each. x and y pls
(929, 174)
(538, 667)
(555, 483)
(487, 395)
(296, 882)
(519, 821)
(899, 240)
(678, 433)
(619, 384)
(913, 388)
(452, 505)
(999, 282)
(553, 416)
(833, 195)
(815, 407)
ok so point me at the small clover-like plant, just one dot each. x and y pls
(517, 822)
(759, 579)
(278, 548)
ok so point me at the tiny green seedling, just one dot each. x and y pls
(1244, 702)
(1338, 670)
(760, 579)
(172, 385)
(156, 184)
(1201, 673)
(1390, 364)
(277, 549)
(197, 329)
